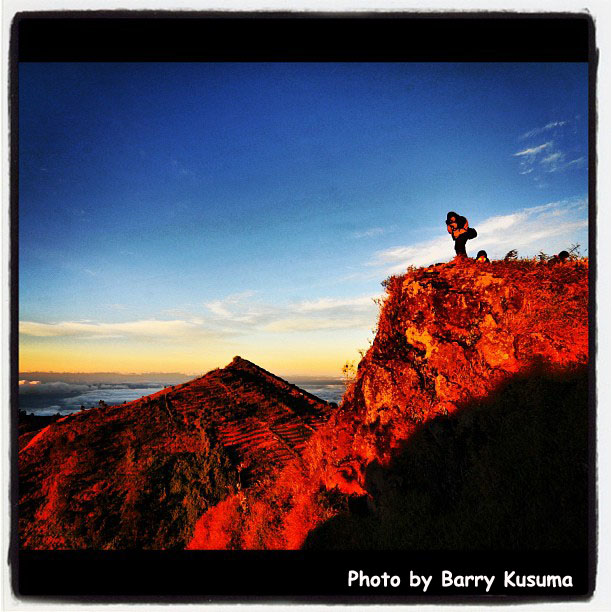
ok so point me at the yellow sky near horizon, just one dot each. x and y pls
(308, 358)
(305, 338)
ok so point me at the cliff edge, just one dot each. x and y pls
(474, 391)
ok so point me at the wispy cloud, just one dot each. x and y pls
(144, 329)
(223, 309)
(536, 131)
(529, 229)
(325, 314)
(579, 162)
(235, 315)
(331, 304)
(528, 157)
(242, 315)
(540, 160)
(369, 233)
(552, 158)
(302, 324)
(533, 150)
(554, 162)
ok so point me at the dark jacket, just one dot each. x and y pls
(462, 226)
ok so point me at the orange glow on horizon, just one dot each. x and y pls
(126, 359)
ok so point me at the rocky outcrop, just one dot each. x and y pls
(451, 333)
(451, 338)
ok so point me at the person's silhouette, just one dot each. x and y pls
(460, 231)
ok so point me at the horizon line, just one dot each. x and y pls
(159, 373)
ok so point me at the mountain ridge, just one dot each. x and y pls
(225, 429)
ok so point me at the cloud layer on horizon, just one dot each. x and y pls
(51, 388)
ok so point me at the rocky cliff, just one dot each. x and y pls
(452, 333)
(473, 394)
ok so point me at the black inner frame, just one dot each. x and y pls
(116, 36)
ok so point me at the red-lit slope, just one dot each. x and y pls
(449, 336)
(139, 474)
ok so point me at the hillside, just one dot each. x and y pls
(138, 475)
(465, 427)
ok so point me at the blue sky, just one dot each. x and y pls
(174, 215)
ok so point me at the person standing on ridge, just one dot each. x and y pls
(457, 226)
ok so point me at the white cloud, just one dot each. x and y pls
(222, 308)
(419, 254)
(369, 233)
(329, 304)
(533, 150)
(528, 157)
(554, 162)
(218, 308)
(540, 161)
(297, 324)
(530, 229)
(553, 157)
(499, 223)
(325, 313)
(576, 162)
(51, 388)
(548, 126)
(560, 205)
(236, 314)
(152, 329)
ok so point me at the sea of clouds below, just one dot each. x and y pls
(48, 398)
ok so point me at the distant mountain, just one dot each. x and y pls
(106, 377)
(140, 474)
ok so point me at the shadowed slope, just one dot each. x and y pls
(507, 472)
